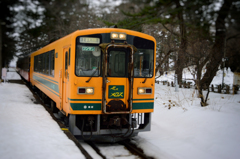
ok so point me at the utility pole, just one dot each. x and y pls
(176, 83)
(1, 24)
(223, 60)
(0, 50)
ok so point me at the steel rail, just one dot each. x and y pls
(134, 150)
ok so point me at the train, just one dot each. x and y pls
(100, 80)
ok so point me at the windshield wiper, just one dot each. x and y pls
(144, 80)
(93, 74)
(148, 73)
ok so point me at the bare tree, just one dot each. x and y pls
(198, 54)
(166, 45)
(217, 51)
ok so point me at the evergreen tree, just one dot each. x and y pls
(7, 42)
(58, 19)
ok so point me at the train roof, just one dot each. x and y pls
(100, 31)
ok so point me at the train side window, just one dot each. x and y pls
(44, 63)
(47, 63)
(52, 60)
(35, 63)
(40, 63)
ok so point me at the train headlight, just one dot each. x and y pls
(114, 36)
(118, 36)
(144, 90)
(141, 91)
(122, 36)
(85, 90)
(89, 90)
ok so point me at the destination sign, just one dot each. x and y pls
(87, 48)
(89, 40)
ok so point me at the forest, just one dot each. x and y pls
(200, 33)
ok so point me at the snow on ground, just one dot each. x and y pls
(27, 130)
(228, 77)
(181, 128)
(188, 131)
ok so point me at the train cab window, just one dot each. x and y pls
(143, 58)
(143, 63)
(69, 57)
(117, 64)
(66, 60)
(88, 59)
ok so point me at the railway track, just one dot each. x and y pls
(123, 149)
(134, 149)
(127, 149)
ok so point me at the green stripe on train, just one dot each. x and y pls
(86, 106)
(49, 84)
(97, 106)
(85, 99)
(143, 99)
(143, 106)
(44, 77)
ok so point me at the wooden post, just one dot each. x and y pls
(189, 84)
(184, 85)
(235, 89)
(227, 89)
(219, 88)
(180, 84)
(212, 88)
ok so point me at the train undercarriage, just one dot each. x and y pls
(109, 128)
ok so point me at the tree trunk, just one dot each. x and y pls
(217, 51)
(183, 45)
(199, 88)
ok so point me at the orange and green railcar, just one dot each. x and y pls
(102, 80)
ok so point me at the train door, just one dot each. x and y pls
(118, 81)
(65, 90)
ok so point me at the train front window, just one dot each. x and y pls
(117, 63)
(143, 58)
(143, 63)
(88, 60)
